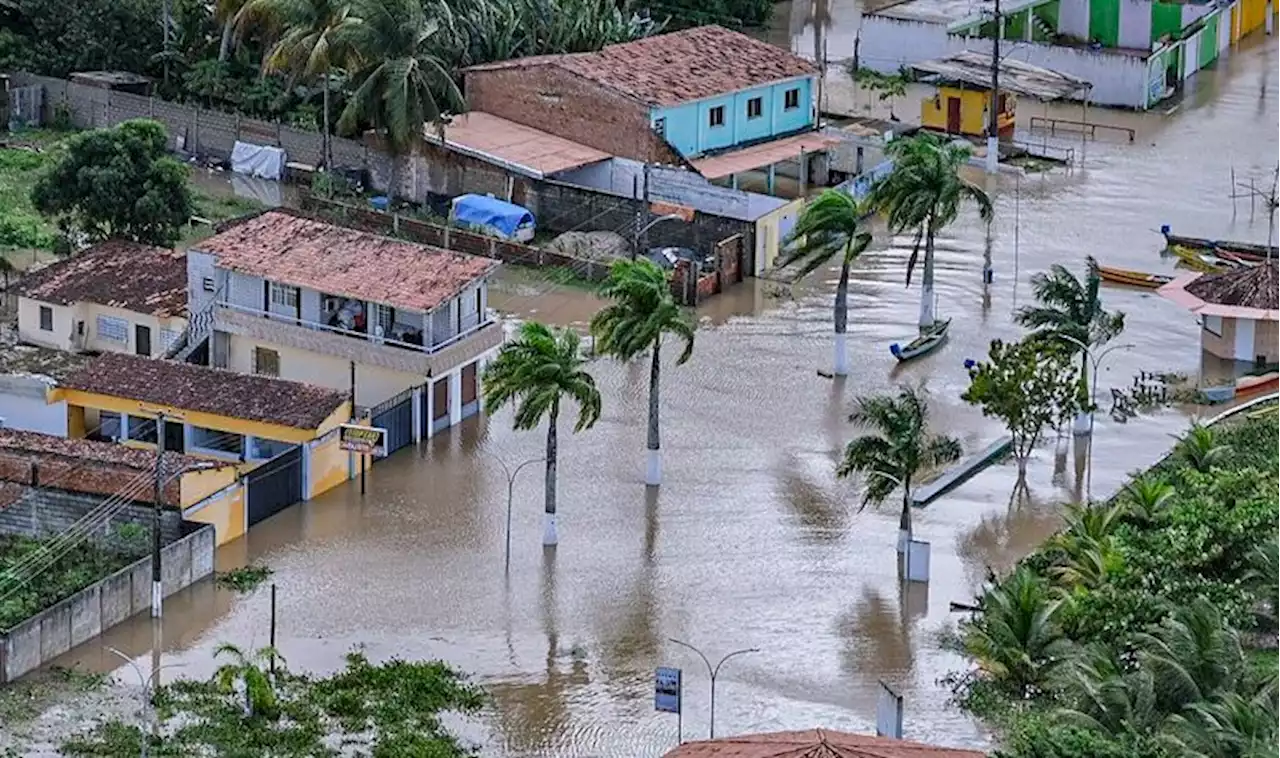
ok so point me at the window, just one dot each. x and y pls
(266, 362)
(46, 318)
(113, 329)
(1213, 325)
(284, 295)
(142, 429)
(268, 449)
(660, 126)
(212, 439)
(755, 107)
(384, 316)
(791, 100)
(167, 338)
(207, 284)
(716, 116)
(108, 426)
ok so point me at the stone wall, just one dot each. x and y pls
(45, 511)
(101, 606)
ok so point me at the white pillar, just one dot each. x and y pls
(993, 150)
(1271, 18)
(455, 397)
(429, 407)
(417, 415)
(188, 436)
(124, 426)
(306, 471)
(773, 171)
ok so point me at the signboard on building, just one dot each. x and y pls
(666, 690)
(364, 440)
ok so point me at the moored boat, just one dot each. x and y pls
(1133, 278)
(1246, 250)
(1199, 261)
(927, 342)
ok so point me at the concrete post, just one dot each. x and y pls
(306, 470)
(455, 397)
(417, 415)
(429, 408)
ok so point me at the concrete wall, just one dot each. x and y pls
(59, 337)
(44, 511)
(373, 383)
(101, 606)
(23, 406)
(223, 510)
(626, 178)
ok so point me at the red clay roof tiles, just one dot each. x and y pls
(815, 743)
(291, 249)
(669, 69)
(118, 273)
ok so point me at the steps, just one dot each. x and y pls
(1046, 33)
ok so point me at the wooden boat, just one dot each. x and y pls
(1133, 278)
(1246, 250)
(1245, 386)
(1199, 261)
(927, 342)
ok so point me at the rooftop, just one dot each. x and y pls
(525, 149)
(17, 358)
(762, 154)
(1249, 293)
(35, 445)
(291, 249)
(974, 68)
(187, 387)
(815, 743)
(944, 11)
(117, 273)
(674, 68)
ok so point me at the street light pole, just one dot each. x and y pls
(904, 524)
(1095, 362)
(149, 684)
(511, 488)
(713, 672)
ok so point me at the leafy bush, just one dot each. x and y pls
(25, 595)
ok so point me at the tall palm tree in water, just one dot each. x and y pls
(924, 193)
(536, 371)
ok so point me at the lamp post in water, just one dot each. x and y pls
(713, 671)
(511, 488)
(1095, 361)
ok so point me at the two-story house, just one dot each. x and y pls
(292, 297)
(117, 296)
(667, 99)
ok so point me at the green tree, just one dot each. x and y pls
(248, 674)
(90, 35)
(1071, 311)
(308, 47)
(1016, 640)
(536, 370)
(924, 193)
(1029, 385)
(899, 448)
(642, 311)
(118, 183)
(1200, 449)
(400, 83)
(830, 226)
(1147, 497)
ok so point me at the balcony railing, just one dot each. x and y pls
(471, 323)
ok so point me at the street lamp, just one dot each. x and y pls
(904, 530)
(148, 688)
(713, 671)
(511, 487)
(1095, 361)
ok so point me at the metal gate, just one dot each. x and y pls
(396, 416)
(275, 485)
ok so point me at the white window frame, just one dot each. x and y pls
(660, 126)
(112, 329)
(284, 295)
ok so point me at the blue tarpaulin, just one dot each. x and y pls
(485, 213)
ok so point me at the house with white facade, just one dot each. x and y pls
(288, 296)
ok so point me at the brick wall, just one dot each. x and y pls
(46, 511)
(566, 105)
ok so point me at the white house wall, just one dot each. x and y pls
(200, 266)
(1135, 24)
(245, 291)
(23, 406)
(373, 383)
(1073, 18)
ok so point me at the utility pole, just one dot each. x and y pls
(157, 591)
(993, 114)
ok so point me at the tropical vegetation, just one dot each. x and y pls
(924, 194)
(1069, 310)
(1147, 626)
(535, 371)
(830, 227)
(898, 448)
(254, 705)
(640, 313)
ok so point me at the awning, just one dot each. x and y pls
(764, 154)
(518, 148)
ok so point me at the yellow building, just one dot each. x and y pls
(281, 437)
(963, 109)
(1251, 15)
(117, 296)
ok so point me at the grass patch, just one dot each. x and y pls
(243, 579)
(30, 696)
(72, 571)
(222, 207)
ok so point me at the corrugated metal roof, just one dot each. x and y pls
(972, 67)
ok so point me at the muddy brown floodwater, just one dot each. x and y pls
(751, 542)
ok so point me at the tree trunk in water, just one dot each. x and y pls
(224, 47)
(327, 144)
(653, 460)
(841, 318)
(904, 522)
(1022, 467)
(549, 536)
(927, 316)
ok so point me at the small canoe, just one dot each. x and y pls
(1133, 278)
(1199, 261)
(1245, 386)
(1247, 250)
(927, 342)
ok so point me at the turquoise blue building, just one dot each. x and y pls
(730, 119)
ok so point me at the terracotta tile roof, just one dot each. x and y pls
(669, 69)
(815, 743)
(291, 249)
(118, 273)
(16, 358)
(35, 446)
(186, 387)
(1252, 287)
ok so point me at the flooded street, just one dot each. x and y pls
(751, 541)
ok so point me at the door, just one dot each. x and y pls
(142, 340)
(174, 438)
(440, 405)
(470, 387)
(953, 115)
(275, 485)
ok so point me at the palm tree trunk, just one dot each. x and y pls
(224, 47)
(653, 460)
(549, 536)
(927, 316)
(327, 144)
(904, 522)
(1081, 424)
(841, 318)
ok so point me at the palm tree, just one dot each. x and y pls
(828, 226)
(1016, 639)
(250, 672)
(400, 82)
(309, 46)
(1200, 448)
(924, 193)
(642, 311)
(535, 371)
(1192, 654)
(1146, 498)
(899, 448)
(227, 12)
(1071, 310)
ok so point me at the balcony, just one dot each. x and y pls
(365, 349)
